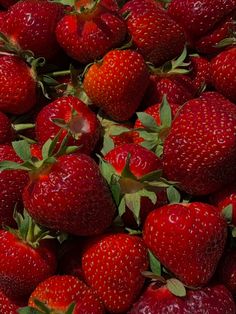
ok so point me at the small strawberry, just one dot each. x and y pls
(10, 305)
(227, 270)
(93, 29)
(73, 116)
(200, 72)
(118, 83)
(212, 300)
(199, 151)
(25, 257)
(188, 239)
(112, 266)
(63, 294)
(155, 34)
(224, 73)
(6, 130)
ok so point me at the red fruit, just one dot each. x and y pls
(92, 31)
(118, 83)
(112, 266)
(10, 305)
(12, 183)
(199, 151)
(188, 239)
(31, 25)
(156, 35)
(212, 300)
(200, 72)
(224, 73)
(227, 270)
(18, 85)
(6, 130)
(73, 116)
(58, 292)
(7, 3)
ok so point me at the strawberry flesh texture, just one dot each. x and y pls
(212, 300)
(114, 273)
(155, 34)
(17, 86)
(6, 130)
(227, 270)
(70, 196)
(84, 123)
(188, 239)
(10, 305)
(86, 37)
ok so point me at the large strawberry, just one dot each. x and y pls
(155, 34)
(214, 299)
(73, 116)
(188, 239)
(199, 151)
(224, 73)
(94, 29)
(113, 266)
(25, 257)
(31, 25)
(118, 83)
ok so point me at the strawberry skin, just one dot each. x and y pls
(17, 86)
(71, 196)
(10, 305)
(199, 151)
(114, 274)
(87, 36)
(224, 73)
(188, 239)
(118, 83)
(212, 300)
(227, 270)
(6, 130)
(156, 35)
(200, 72)
(81, 122)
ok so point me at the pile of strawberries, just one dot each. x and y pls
(118, 156)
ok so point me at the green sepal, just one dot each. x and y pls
(173, 195)
(71, 308)
(23, 126)
(165, 113)
(108, 144)
(118, 130)
(126, 172)
(107, 170)
(22, 149)
(122, 207)
(155, 264)
(28, 310)
(42, 306)
(154, 277)
(151, 176)
(227, 213)
(159, 150)
(176, 287)
(133, 231)
(115, 189)
(148, 121)
(11, 165)
(234, 232)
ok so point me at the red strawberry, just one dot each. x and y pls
(12, 184)
(25, 259)
(200, 72)
(10, 305)
(199, 151)
(94, 29)
(31, 25)
(227, 270)
(74, 117)
(188, 239)
(224, 73)
(156, 35)
(6, 130)
(112, 266)
(118, 83)
(18, 85)
(57, 293)
(212, 300)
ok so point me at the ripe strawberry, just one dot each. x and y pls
(6, 130)
(224, 73)
(227, 270)
(200, 72)
(73, 116)
(193, 255)
(10, 305)
(114, 274)
(93, 30)
(155, 34)
(18, 85)
(31, 25)
(25, 258)
(212, 300)
(118, 83)
(57, 293)
(199, 151)
(12, 184)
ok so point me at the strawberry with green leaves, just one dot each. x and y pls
(188, 239)
(112, 266)
(117, 83)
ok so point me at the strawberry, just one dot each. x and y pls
(94, 29)
(200, 72)
(10, 305)
(212, 300)
(227, 270)
(18, 85)
(7, 3)
(114, 274)
(26, 258)
(155, 34)
(193, 255)
(12, 184)
(6, 130)
(118, 83)
(57, 294)
(224, 73)
(31, 25)
(73, 116)
(199, 151)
